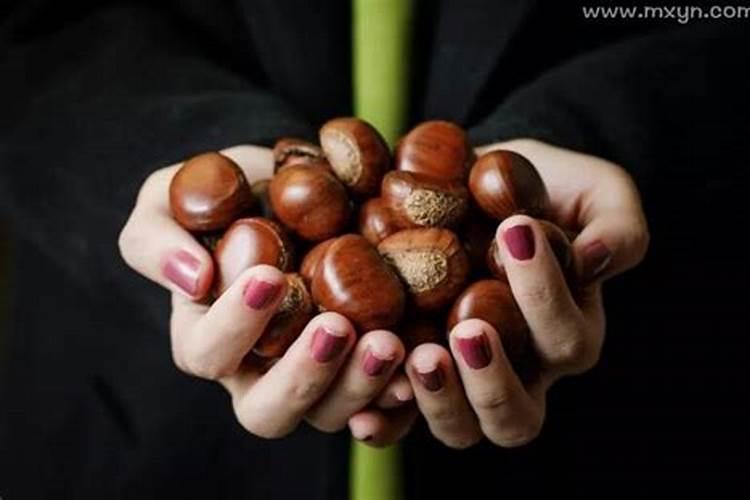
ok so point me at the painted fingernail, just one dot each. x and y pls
(475, 350)
(326, 345)
(520, 242)
(404, 394)
(596, 258)
(183, 269)
(373, 365)
(432, 381)
(259, 294)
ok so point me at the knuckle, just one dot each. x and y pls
(202, 366)
(493, 400)
(577, 354)
(258, 424)
(443, 414)
(536, 293)
(305, 389)
(519, 438)
(460, 441)
(329, 426)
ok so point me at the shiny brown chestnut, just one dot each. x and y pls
(247, 243)
(432, 263)
(420, 201)
(559, 243)
(357, 153)
(493, 302)
(376, 221)
(208, 193)
(352, 279)
(289, 151)
(437, 149)
(312, 259)
(295, 311)
(504, 183)
(309, 201)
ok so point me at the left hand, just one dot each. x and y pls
(472, 391)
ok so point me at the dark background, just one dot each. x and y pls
(95, 95)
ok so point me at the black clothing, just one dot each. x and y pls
(96, 95)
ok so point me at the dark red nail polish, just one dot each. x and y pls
(326, 345)
(475, 351)
(367, 438)
(520, 242)
(259, 294)
(596, 258)
(373, 365)
(183, 269)
(432, 381)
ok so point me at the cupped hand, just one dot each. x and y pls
(325, 377)
(471, 391)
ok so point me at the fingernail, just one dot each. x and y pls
(183, 269)
(326, 345)
(475, 350)
(432, 381)
(259, 293)
(373, 365)
(596, 257)
(520, 242)
(404, 395)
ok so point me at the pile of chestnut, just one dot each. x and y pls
(403, 242)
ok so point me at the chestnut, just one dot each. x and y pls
(309, 201)
(247, 243)
(357, 153)
(352, 279)
(289, 151)
(559, 242)
(260, 193)
(312, 258)
(493, 302)
(295, 311)
(417, 200)
(504, 183)
(376, 221)
(436, 149)
(208, 192)
(432, 263)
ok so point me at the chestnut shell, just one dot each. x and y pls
(432, 263)
(437, 149)
(208, 193)
(504, 183)
(309, 201)
(352, 279)
(376, 221)
(420, 201)
(357, 153)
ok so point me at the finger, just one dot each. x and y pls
(155, 246)
(557, 325)
(256, 162)
(378, 428)
(613, 240)
(211, 342)
(276, 403)
(440, 396)
(396, 393)
(375, 357)
(507, 414)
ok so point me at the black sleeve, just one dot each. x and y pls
(92, 105)
(668, 105)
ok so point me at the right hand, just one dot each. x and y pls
(321, 378)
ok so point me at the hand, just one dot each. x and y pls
(472, 391)
(325, 377)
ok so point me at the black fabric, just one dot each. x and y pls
(95, 95)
